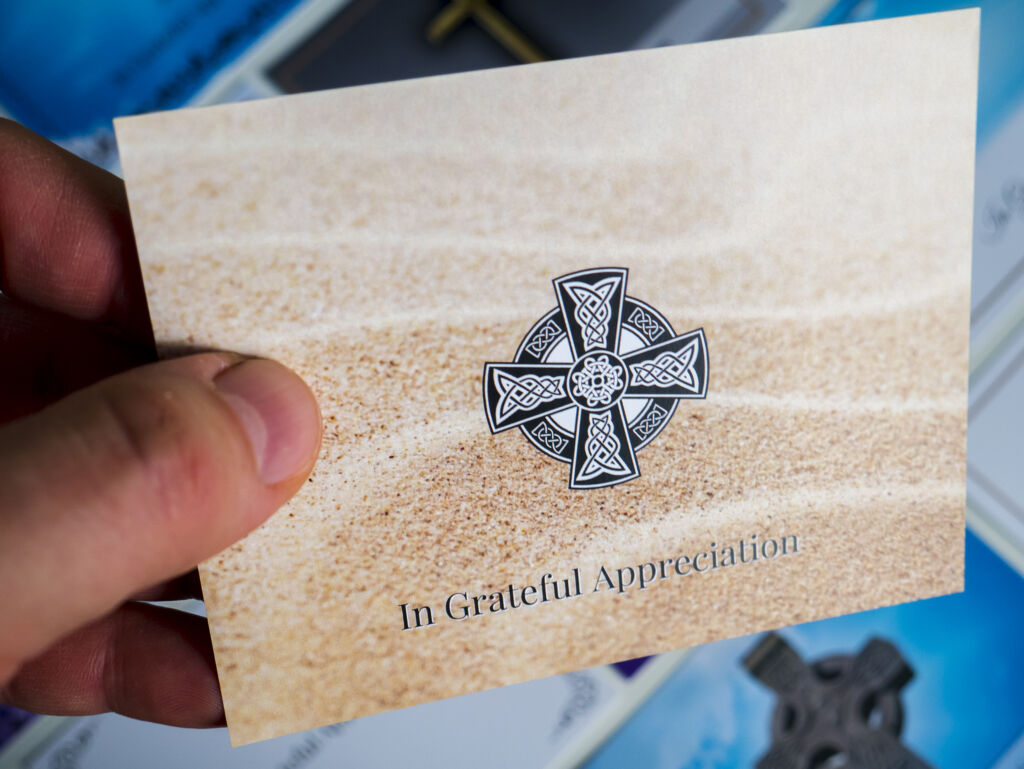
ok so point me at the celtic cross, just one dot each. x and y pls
(596, 378)
(843, 710)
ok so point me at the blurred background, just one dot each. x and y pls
(949, 692)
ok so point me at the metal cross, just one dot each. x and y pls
(841, 711)
(491, 20)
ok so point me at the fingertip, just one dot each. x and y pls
(280, 416)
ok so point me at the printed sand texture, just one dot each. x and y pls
(804, 198)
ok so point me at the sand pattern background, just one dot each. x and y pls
(806, 198)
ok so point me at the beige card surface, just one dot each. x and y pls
(615, 355)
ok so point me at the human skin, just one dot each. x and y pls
(117, 474)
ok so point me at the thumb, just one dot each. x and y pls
(135, 480)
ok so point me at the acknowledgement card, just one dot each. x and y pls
(615, 355)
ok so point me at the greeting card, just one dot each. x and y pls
(615, 355)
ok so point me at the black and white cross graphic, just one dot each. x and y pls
(596, 379)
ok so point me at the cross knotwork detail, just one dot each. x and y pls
(668, 368)
(589, 386)
(525, 392)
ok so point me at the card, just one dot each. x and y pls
(615, 355)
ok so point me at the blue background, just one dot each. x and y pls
(69, 66)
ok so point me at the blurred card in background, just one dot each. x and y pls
(943, 691)
(372, 41)
(454, 734)
(536, 721)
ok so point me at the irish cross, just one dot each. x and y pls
(596, 378)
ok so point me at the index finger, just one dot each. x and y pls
(66, 240)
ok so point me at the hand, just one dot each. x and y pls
(115, 492)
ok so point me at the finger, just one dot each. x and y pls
(66, 241)
(135, 480)
(146, 662)
(54, 355)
